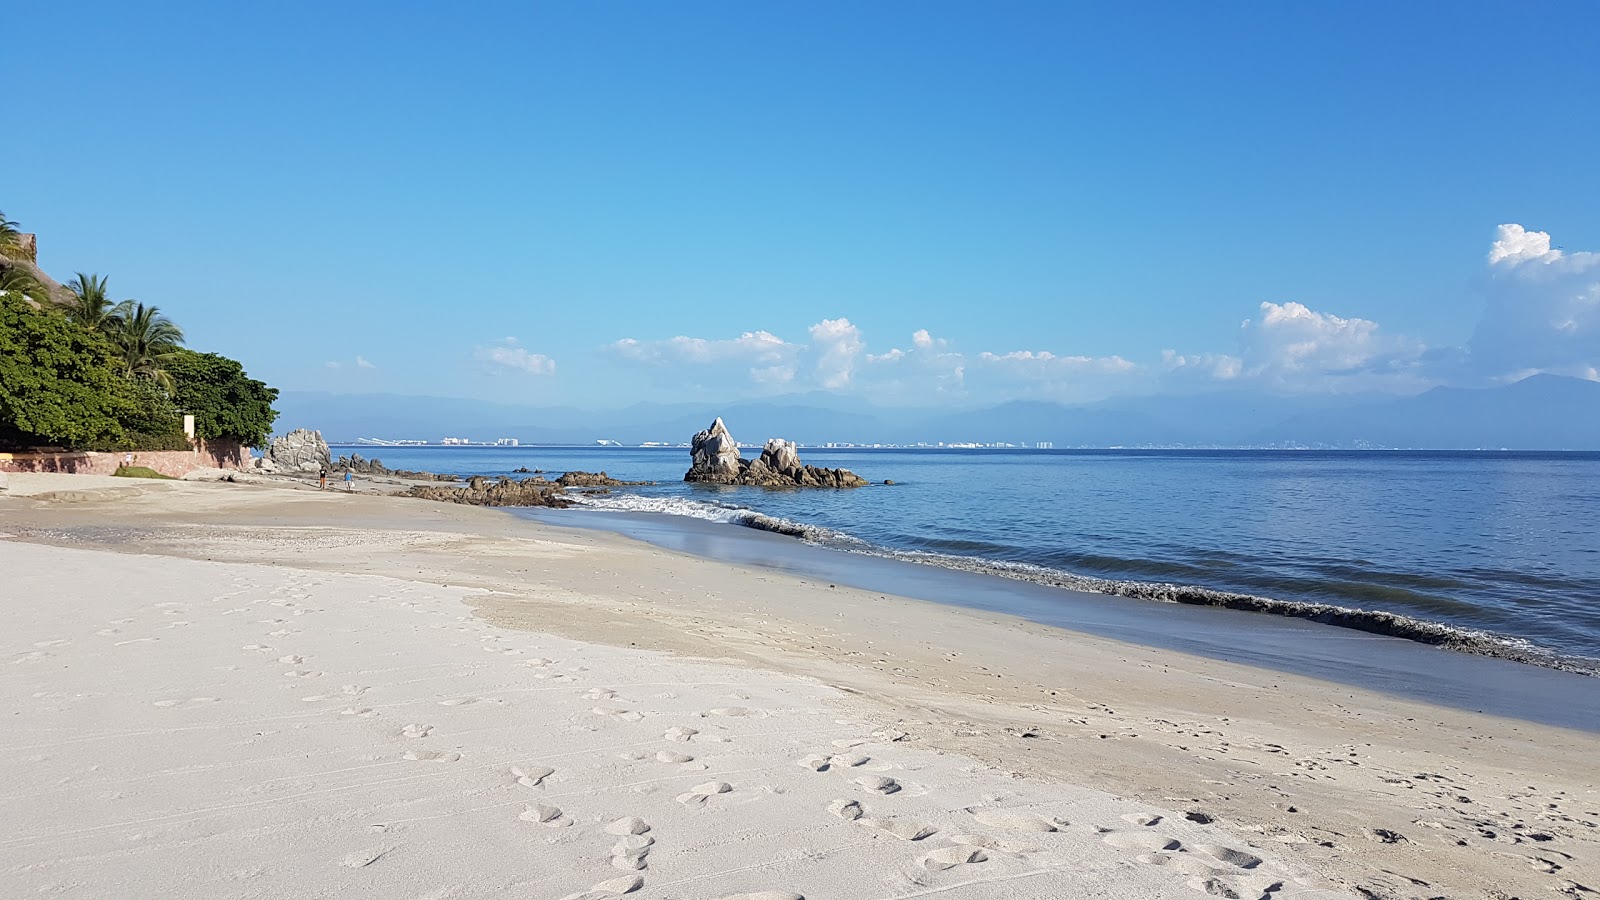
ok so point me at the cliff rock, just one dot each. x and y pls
(300, 451)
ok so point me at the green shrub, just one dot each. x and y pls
(140, 472)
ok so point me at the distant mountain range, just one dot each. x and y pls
(1543, 412)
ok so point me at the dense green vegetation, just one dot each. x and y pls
(99, 374)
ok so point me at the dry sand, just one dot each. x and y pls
(238, 691)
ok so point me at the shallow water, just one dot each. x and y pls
(1503, 543)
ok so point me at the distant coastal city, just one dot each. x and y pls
(605, 442)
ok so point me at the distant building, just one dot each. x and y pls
(1044, 445)
(505, 442)
(455, 442)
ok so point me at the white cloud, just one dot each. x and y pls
(1044, 364)
(1542, 310)
(931, 364)
(752, 347)
(508, 354)
(1220, 366)
(836, 344)
(362, 363)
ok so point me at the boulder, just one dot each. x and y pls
(360, 466)
(715, 456)
(300, 451)
(715, 460)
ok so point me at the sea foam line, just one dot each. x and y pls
(1381, 622)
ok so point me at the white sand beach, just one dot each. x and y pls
(229, 691)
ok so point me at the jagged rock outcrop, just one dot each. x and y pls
(715, 460)
(714, 455)
(300, 451)
(481, 491)
(356, 463)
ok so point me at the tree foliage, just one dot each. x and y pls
(147, 340)
(10, 237)
(91, 305)
(59, 383)
(226, 403)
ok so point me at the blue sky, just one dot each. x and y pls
(916, 203)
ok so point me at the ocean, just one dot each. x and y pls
(1496, 553)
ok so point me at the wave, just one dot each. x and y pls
(725, 513)
(1372, 621)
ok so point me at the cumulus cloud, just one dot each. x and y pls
(1542, 309)
(929, 363)
(761, 356)
(836, 344)
(509, 355)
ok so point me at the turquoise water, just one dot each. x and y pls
(1502, 543)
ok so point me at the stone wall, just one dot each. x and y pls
(175, 463)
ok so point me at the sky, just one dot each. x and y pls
(903, 203)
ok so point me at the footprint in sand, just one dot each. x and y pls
(1015, 821)
(697, 796)
(848, 760)
(363, 858)
(291, 660)
(256, 647)
(301, 673)
(849, 810)
(460, 701)
(878, 784)
(628, 825)
(432, 755)
(626, 715)
(627, 884)
(681, 733)
(815, 763)
(667, 756)
(545, 814)
(731, 711)
(764, 895)
(600, 694)
(904, 829)
(1229, 856)
(1143, 819)
(365, 712)
(630, 851)
(531, 775)
(950, 857)
(1140, 840)
(414, 730)
(537, 662)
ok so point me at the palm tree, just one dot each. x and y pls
(146, 339)
(91, 305)
(10, 238)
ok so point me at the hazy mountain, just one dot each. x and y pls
(1542, 412)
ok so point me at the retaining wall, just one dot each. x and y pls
(174, 463)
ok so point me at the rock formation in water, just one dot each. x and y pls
(715, 460)
(481, 491)
(299, 451)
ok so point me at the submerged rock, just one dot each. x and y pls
(594, 479)
(715, 460)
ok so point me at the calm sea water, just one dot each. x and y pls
(1505, 543)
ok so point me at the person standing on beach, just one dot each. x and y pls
(322, 483)
(349, 481)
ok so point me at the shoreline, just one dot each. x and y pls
(1395, 665)
(1323, 774)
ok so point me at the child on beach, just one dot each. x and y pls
(349, 481)
(322, 483)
